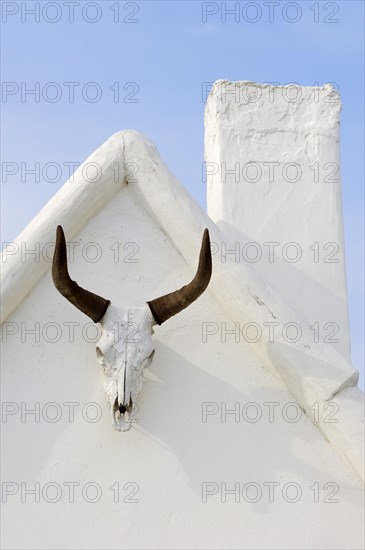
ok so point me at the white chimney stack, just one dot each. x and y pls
(274, 188)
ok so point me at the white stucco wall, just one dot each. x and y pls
(170, 452)
(274, 188)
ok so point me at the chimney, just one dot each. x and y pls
(274, 188)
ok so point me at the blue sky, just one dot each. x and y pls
(161, 61)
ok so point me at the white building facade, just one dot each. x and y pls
(238, 441)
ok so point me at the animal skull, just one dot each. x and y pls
(125, 348)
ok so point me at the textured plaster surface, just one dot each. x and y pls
(273, 165)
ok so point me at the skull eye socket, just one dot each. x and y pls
(148, 360)
(101, 357)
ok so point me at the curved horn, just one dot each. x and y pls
(170, 304)
(91, 304)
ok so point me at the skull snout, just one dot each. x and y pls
(121, 407)
(121, 416)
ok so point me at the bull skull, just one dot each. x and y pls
(125, 347)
